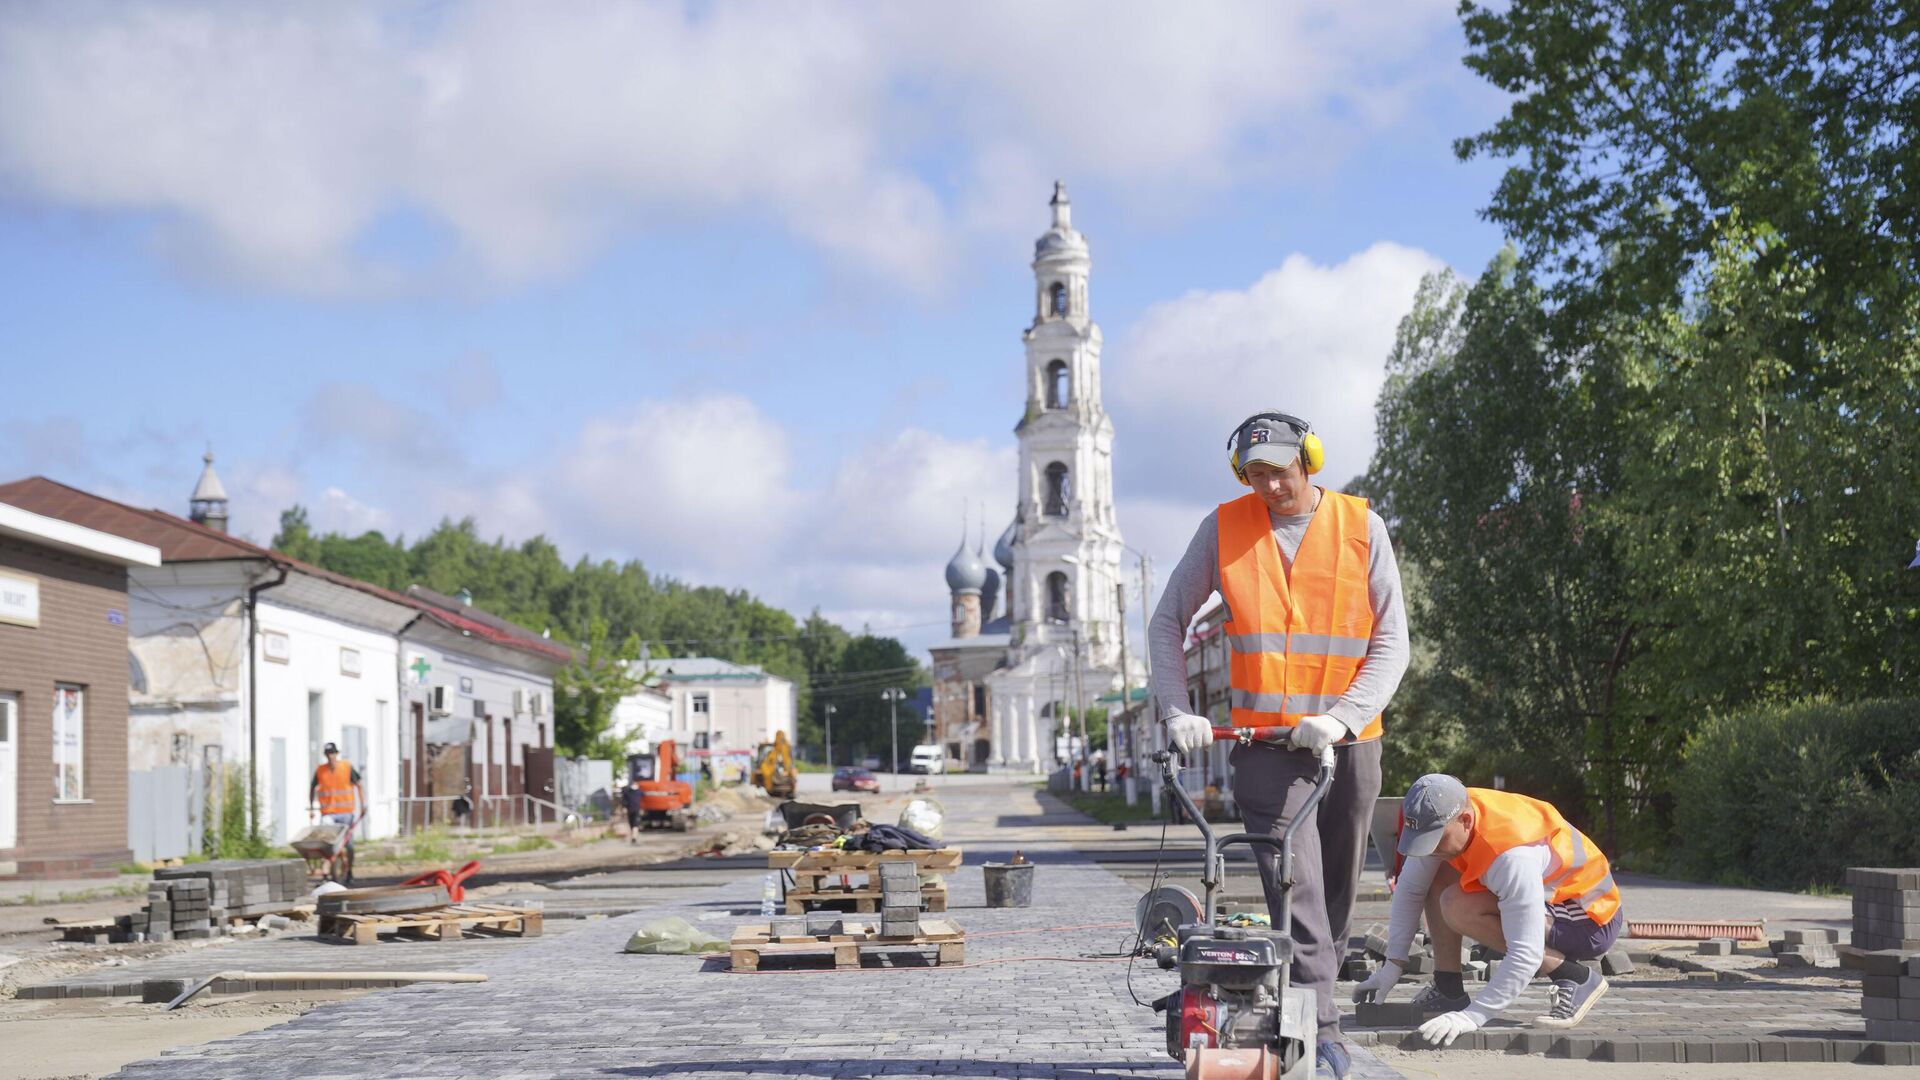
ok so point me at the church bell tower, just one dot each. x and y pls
(1066, 543)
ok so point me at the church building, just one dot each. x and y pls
(1039, 631)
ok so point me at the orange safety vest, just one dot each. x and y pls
(1579, 877)
(1297, 635)
(335, 787)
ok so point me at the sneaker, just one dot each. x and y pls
(1333, 1061)
(1431, 999)
(1568, 1001)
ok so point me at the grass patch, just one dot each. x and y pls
(1109, 807)
(432, 845)
(535, 842)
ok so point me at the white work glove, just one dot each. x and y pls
(1315, 733)
(1443, 1029)
(1376, 985)
(1189, 734)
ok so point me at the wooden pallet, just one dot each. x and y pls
(933, 897)
(752, 943)
(440, 924)
(844, 862)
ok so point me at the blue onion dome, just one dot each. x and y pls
(1003, 548)
(965, 571)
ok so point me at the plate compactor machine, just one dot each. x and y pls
(1235, 1015)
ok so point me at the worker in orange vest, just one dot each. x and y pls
(1509, 872)
(335, 784)
(1317, 632)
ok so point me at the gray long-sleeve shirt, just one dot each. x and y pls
(1197, 577)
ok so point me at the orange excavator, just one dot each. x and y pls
(666, 802)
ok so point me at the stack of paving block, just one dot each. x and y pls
(1890, 995)
(899, 899)
(251, 886)
(1886, 950)
(175, 909)
(1805, 948)
(1886, 908)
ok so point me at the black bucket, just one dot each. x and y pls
(1008, 884)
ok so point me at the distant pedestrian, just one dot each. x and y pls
(631, 796)
(1100, 772)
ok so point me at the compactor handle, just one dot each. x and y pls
(1277, 735)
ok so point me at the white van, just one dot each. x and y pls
(929, 759)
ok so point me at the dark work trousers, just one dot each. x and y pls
(1328, 851)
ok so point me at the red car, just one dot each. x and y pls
(848, 778)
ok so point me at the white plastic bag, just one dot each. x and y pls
(672, 936)
(925, 816)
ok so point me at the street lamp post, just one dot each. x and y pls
(829, 711)
(893, 697)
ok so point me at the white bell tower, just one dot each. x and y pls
(1066, 545)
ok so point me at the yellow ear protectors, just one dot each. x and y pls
(1251, 433)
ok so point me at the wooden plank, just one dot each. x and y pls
(790, 859)
(446, 924)
(748, 948)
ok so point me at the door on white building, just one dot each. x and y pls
(353, 747)
(277, 790)
(9, 770)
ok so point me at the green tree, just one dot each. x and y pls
(586, 691)
(861, 719)
(1493, 446)
(1637, 128)
(1773, 494)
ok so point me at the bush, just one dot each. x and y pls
(231, 810)
(1790, 796)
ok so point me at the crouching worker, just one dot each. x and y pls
(1508, 872)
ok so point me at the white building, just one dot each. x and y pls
(647, 713)
(1005, 681)
(736, 707)
(238, 652)
(479, 722)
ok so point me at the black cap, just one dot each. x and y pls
(331, 749)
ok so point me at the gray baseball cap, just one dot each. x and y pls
(1434, 800)
(1264, 438)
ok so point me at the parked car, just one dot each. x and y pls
(929, 759)
(848, 778)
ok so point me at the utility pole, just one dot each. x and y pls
(1126, 701)
(829, 711)
(1080, 706)
(892, 697)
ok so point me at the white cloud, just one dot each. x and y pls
(1306, 339)
(274, 141)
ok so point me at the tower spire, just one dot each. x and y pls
(208, 505)
(1062, 209)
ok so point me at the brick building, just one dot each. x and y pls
(63, 696)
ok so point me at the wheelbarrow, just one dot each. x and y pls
(327, 849)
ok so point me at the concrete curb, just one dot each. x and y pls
(1554, 1044)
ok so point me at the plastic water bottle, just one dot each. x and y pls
(766, 897)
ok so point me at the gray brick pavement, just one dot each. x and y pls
(577, 1006)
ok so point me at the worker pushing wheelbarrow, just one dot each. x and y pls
(338, 800)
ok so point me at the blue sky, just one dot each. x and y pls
(733, 289)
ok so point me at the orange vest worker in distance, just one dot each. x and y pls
(336, 783)
(1297, 635)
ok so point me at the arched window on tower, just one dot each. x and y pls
(1059, 490)
(1059, 385)
(1059, 599)
(1057, 298)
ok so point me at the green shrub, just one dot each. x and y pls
(1790, 796)
(231, 809)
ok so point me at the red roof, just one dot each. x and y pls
(181, 540)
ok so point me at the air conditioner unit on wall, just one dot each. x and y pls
(519, 701)
(440, 700)
(539, 703)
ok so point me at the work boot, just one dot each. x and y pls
(1334, 1061)
(1568, 1001)
(1432, 999)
